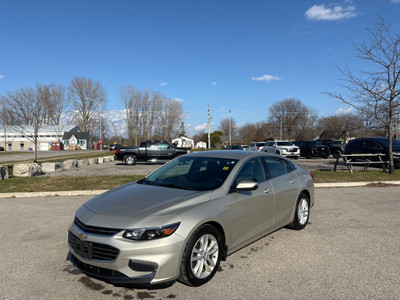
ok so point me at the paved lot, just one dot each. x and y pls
(350, 250)
(142, 168)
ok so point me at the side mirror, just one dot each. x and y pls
(245, 186)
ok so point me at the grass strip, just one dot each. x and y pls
(358, 176)
(67, 183)
(71, 183)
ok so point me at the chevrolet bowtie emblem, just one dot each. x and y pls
(83, 236)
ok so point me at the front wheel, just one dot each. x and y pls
(201, 256)
(302, 212)
(130, 160)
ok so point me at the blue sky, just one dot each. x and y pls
(232, 55)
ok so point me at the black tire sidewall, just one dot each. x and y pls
(296, 224)
(187, 275)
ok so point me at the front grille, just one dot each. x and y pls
(95, 229)
(92, 250)
(95, 270)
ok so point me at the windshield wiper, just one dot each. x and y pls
(146, 181)
(177, 186)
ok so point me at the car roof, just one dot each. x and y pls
(229, 154)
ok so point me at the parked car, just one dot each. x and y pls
(284, 148)
(155, 151)
(234, 147)
(1, 148)
(113, 146)
(336, 148)
(180, 221)
(310, 149)
(245, 147)
(256, 146)
(374, 145)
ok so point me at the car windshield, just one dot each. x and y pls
(284, 144)
(192, 173)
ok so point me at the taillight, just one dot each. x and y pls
(312, 176)
(116, 151)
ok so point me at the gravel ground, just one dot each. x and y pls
(141, 168)
(109, 168)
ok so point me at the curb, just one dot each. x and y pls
(98, 192)
(353, 184)
(52, 194)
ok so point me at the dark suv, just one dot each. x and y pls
(310, 149)
(336, 148)
(374, 145)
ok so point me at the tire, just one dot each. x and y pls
(336, 154)
(301, 213)
(277, 152)
(308, 155)
(130, 160)
(198, 264)
(326, 156)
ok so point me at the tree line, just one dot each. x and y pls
(146, 114)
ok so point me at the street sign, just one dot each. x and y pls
(101, 141)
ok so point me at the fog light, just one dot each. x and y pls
(143, 266)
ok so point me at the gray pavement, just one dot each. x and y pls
(348, 251)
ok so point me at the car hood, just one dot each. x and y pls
(136, 201)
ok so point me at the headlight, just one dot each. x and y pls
(142, 234)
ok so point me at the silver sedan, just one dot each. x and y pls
(180, 221)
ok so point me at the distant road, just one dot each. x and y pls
(21, 156)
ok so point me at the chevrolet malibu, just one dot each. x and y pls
(180, 221)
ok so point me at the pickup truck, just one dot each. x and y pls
(154, 151)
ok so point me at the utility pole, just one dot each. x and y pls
(230, 129)
(5, 127)
(209, 124)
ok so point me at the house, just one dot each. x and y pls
(76, 140)
(183, 142)
(201, 145)
(21, 138)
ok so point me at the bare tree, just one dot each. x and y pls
(289, 117)
(372, 91)
(28, 107)
(132, 100)
(87, 97)
(340, 126)
(170, 119)
(224, 126)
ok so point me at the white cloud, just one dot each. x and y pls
(266, 78)
(395, 1)
(2, 76)
(163, 83)
(213, 83)
(338, 12)
(201, 127)
(345, 110)
(178, 99)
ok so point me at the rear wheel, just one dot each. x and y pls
(130, 160)
(309, 155)
(336, 154)
(302, 212)
(201, 256)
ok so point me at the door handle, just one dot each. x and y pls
(292, 180)
(267, 190)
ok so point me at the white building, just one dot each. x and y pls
(20, 138)
(183, 142)
(201, 145)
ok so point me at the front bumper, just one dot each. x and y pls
(290, 152)
(136, 262)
